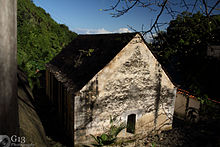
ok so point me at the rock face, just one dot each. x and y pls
(30, 124)
(133, 85)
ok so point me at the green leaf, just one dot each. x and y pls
(95, 138)
(104, 137)
(181, 41)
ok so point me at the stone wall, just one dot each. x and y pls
(132, 83)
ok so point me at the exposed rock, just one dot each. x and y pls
(30, 124)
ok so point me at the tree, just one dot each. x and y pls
(188, 35)
(184, 46)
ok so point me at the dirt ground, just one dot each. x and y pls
(203, 134)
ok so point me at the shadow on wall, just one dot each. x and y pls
(187, 108)
(155, 117)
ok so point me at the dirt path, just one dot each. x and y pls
(203, 134)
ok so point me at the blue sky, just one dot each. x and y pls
(85, 17)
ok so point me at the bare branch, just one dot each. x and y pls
(158, 16)
(170, 12)
(144, 5)
(113, 7)
(152, 35)
(186, 5)
(123, 11)
(214, 7)
(170, 7)
(194, 6)
(206, 8)
(130, 27)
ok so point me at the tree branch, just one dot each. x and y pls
(123, 11)
(113, 7)
(158, 16)
(186, 5)
(194, 6)
(206, 8)
(214, 7)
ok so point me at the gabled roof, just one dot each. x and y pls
(85, 56)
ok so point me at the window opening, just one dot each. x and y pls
(131, 123)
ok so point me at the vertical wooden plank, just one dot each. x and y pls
(58, 105)
(60, 101)
(72, 108)
(70, 117)
(68, 112)
(47, 85)
(64, 106)
(55, 91)
(8, 68)
(51, 88)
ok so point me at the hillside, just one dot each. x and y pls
(39, 39)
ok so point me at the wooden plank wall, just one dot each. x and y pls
(62, 101)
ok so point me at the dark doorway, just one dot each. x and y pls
(131, 123)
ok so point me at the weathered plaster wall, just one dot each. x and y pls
(186, 108)
(180, 106)
(132, 83)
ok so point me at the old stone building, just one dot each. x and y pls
(98, 76)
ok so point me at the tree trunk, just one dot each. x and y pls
(8, 68)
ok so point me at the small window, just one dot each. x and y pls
(131, 123)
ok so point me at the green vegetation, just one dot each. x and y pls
(183, 48)
(109, 137)
(40, 38)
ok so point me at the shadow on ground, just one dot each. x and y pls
(203, 134)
